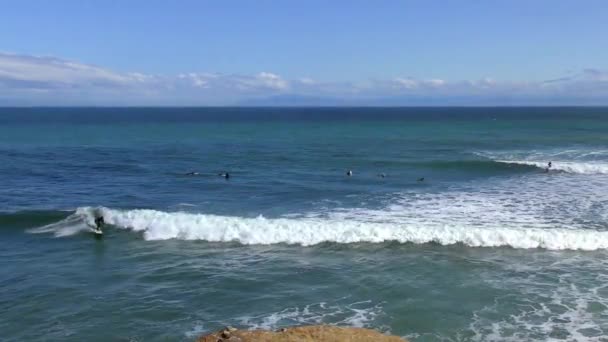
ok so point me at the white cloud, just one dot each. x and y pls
(48, 72)
(47, 80)
(198, 80)
(307, 81)
(272, 81)
(409, 83)
(434, 82)
(263, 81)
(406, 83)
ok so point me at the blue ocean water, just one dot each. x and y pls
(489, 246)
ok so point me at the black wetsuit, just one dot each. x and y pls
(99, 222)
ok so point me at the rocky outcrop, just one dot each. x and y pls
(312, 333)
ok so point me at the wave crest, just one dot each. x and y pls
(565, 166)
(158, 225)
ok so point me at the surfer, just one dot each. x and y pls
(99, 222)
(349, 173)
(382, 175)
(193, 173)
(225, 175)
(548, 167)
(421, 179)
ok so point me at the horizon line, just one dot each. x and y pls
(303, 106)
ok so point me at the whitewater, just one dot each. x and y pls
(158, 225)
(585, 168)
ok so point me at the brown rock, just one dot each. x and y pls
(225, 334)
(312, 333)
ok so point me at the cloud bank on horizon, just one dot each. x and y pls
(35, 80)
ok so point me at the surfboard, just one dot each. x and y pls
(96, 232)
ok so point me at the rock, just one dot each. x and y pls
(312, 333)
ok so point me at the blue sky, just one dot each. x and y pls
(231, 52)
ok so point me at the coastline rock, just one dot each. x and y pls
(312, 333)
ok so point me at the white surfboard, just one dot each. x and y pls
(97, 232)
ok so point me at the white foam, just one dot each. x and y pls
(73, 224)
(197, 330)
(158, 225)
(568, 307)
(576, 161)
(360, 314)
(566, 166)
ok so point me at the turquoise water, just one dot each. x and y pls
(488, 247)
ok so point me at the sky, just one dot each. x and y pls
(303, 52)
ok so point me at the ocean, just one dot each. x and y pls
(490, 246)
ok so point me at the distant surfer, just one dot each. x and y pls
(421, 179)
(548, 167)
(225, 175)
(193, 173)
(349, 173)
(382, 175)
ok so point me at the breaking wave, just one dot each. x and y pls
(565, 166)
(159, 225)
(576, 161)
